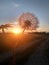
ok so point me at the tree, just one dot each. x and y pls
(2, 27)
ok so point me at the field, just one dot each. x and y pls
(24, 49)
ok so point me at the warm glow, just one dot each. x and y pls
(17, 30)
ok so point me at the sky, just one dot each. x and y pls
(11, 9)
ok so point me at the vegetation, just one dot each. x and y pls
(23, 45)
(2, 27)
(26, 25)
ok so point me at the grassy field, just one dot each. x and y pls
(21, 47)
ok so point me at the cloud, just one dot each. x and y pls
(16, 5)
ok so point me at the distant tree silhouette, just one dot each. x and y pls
(2, 27)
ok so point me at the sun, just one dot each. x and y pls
(17, 30)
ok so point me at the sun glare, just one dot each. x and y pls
(17, 30)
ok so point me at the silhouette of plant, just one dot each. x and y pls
(2, 27)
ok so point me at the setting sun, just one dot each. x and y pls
(17, 30)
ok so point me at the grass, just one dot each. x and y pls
(11, 40)
(23, 44)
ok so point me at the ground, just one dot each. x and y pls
(24, 49)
